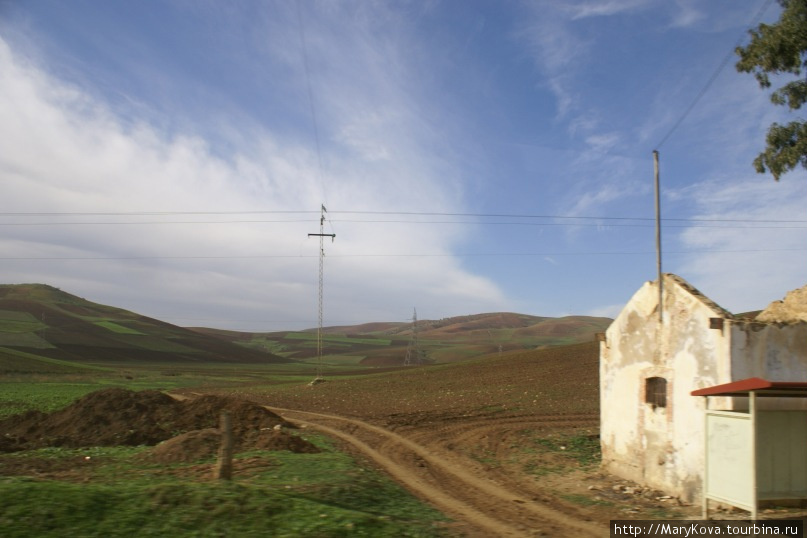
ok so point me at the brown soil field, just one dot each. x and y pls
(495, 444)
(484, 442)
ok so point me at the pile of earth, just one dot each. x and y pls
(120, 417)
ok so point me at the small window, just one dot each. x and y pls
(655, 391)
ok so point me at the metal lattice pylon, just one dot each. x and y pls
(413, 349)
(322, 235)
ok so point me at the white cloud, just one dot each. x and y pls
(582, 10)
(63, 151)
(687, 15)
(744, 265)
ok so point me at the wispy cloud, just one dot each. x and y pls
(64, 151)
(757, 242)
(685, 13)
(582, 10)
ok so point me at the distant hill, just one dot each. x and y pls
(44, 329)
(439, 341)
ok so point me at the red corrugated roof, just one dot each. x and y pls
(762, 387)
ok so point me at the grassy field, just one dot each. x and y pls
(278, 494)
(113, 491)
(49, 384)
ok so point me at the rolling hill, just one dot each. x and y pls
(43, 328)
(439, 341)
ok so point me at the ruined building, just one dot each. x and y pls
(652, 428)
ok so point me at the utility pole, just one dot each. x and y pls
(658, 237)
(322, 235)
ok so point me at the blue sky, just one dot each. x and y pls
(170, 157)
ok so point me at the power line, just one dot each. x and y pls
(756, 225)
(714, 76)
(311, 103)
(382, 213)
(145, 213)
(392, 255)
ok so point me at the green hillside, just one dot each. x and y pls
(44, 329)
(439, 341)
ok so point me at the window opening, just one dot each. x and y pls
(655, 392)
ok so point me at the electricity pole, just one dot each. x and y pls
(658, 237)
(321, 236)
(413, 347)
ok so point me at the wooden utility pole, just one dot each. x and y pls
(658, 237)
(224, 465)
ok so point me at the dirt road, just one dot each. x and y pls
(435, 461)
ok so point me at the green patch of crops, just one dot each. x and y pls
(115, 328)
(13, 360)
(338, 339)
(14, 315)
(24, 339)
(26, 393)
(20, 326)
(20, 397)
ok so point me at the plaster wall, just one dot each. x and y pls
(630, 342)
(772, 351)
(660, 447)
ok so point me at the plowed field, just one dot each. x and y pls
(491, 443)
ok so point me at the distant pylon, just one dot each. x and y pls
(321, 236)
(413, 349)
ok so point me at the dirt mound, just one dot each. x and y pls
(280, 440)
(204, 412)
(190, 446)
(115, 416)
(202, 444)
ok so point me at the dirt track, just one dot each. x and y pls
(433, 461)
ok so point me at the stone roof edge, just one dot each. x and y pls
(696, 293)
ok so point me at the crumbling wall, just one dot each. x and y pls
(792, 309)
(661, 447)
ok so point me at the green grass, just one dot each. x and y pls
(341, 359)
(21, 326)
(115, 328)
(56, 384)
(584, 449)
(10, 363)
(24, 339)
(26, 392)
(18, 397)
(326, 494)
(15, 315)
(570, 452)
(338, 339)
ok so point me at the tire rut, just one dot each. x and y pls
(446, 481)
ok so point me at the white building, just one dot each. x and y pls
(652, 428)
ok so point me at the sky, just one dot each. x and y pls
(171, 157)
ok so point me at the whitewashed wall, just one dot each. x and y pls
(662, 447)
